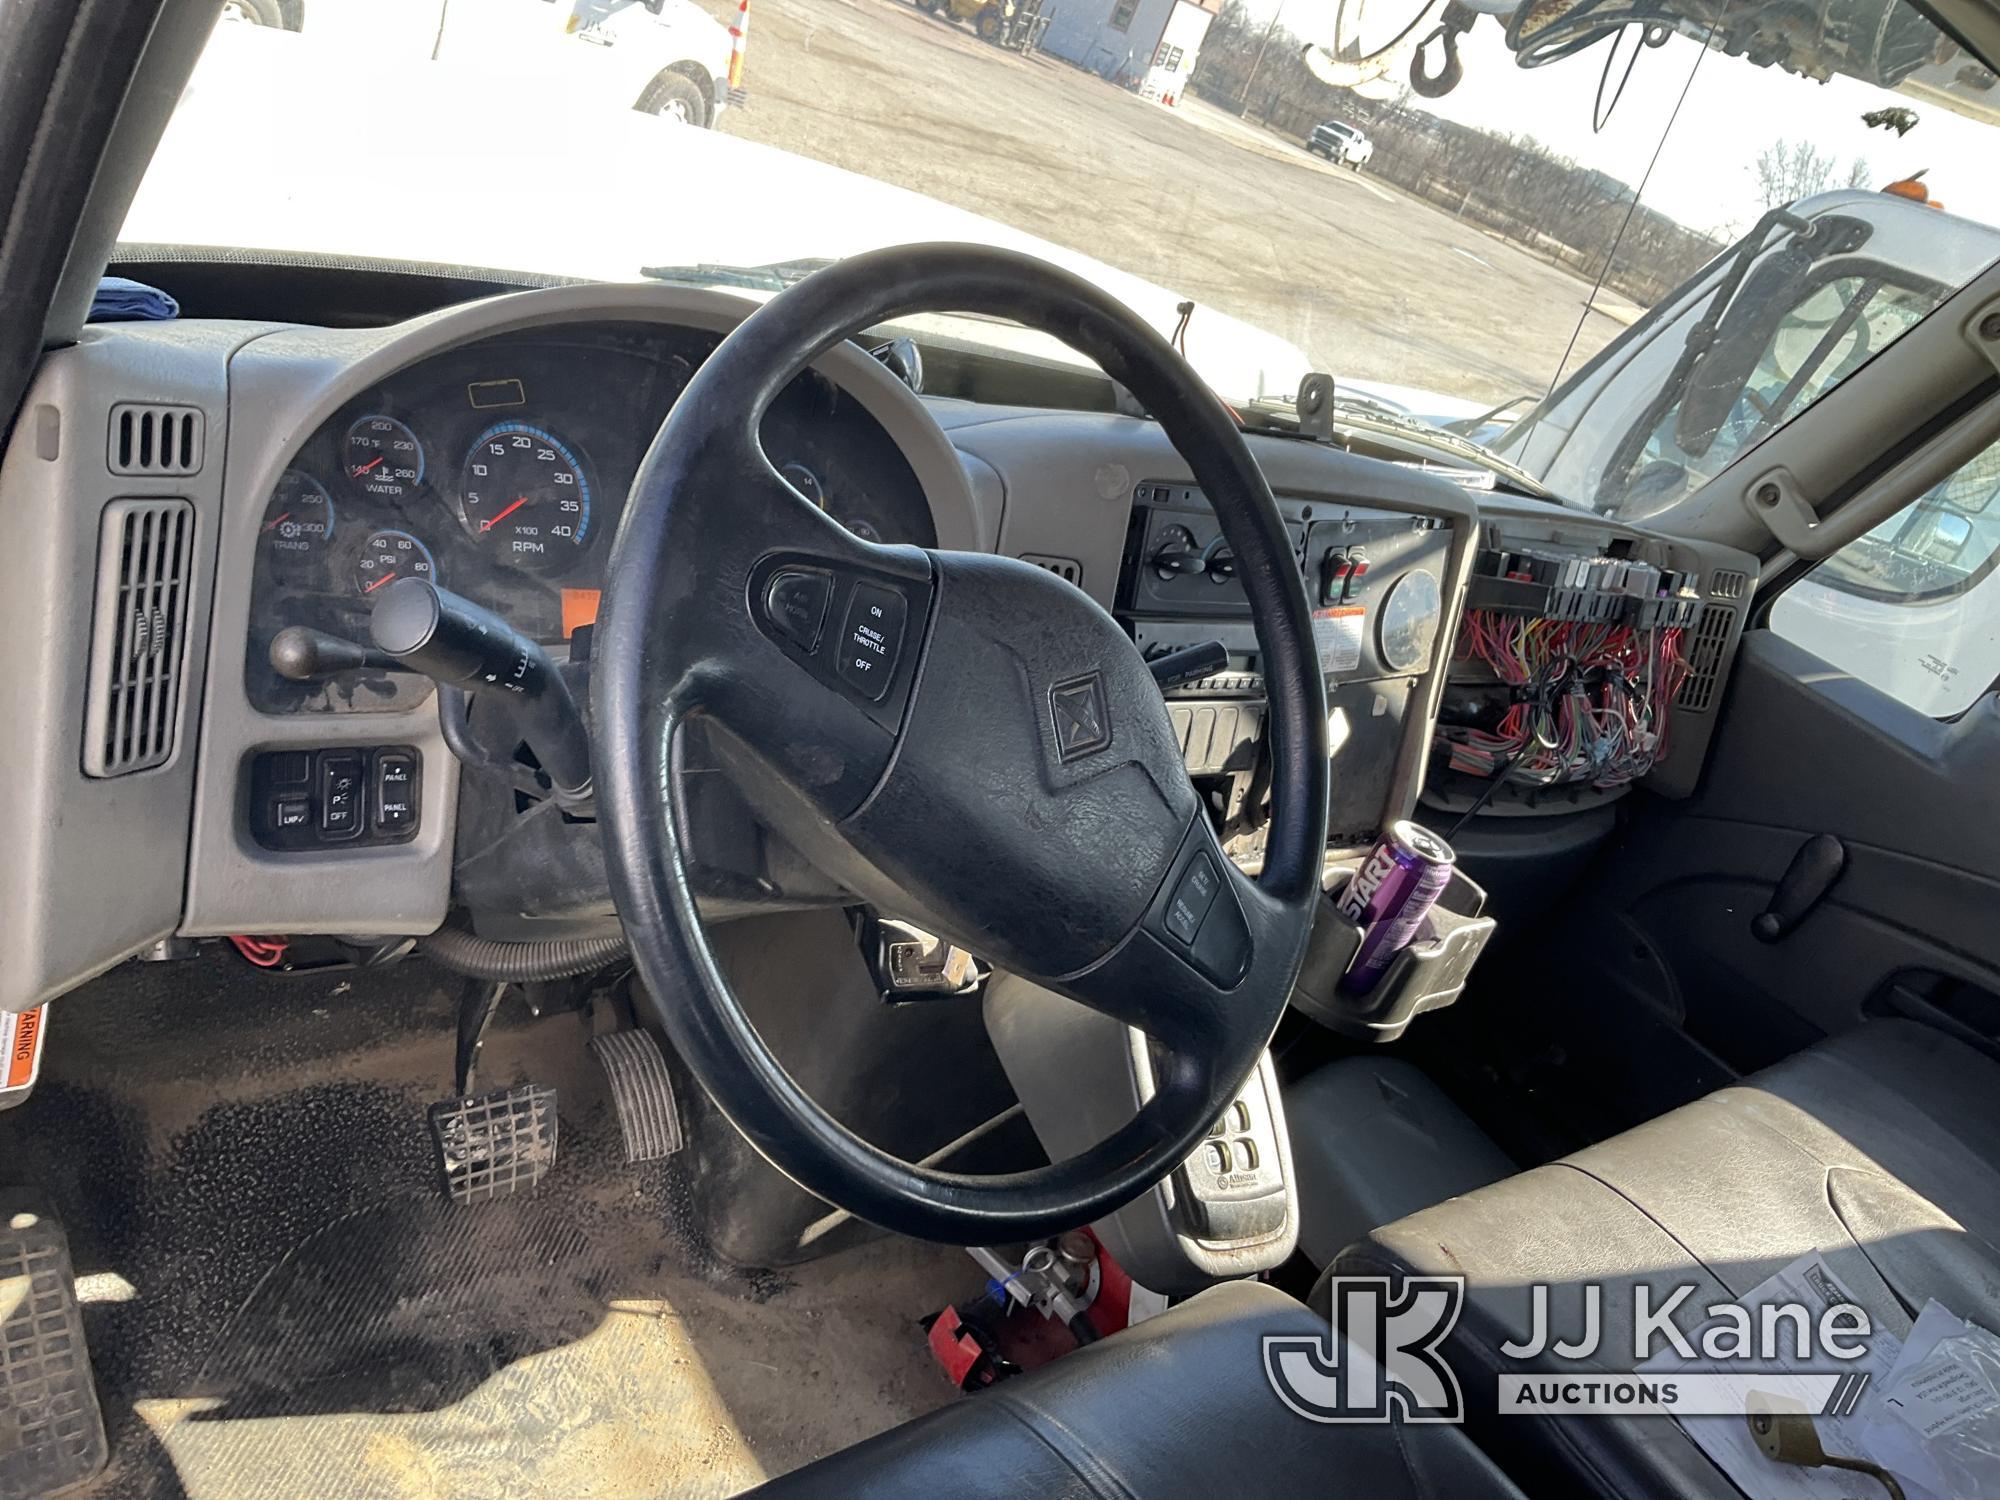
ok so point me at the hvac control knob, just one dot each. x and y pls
(1178, 554)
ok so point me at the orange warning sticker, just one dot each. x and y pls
(579, 608)
(20, 1046)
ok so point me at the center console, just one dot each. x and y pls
(1379, 582)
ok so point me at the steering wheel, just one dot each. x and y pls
(964, 740)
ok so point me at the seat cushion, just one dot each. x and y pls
(1178, 1406)
(1879, 1149)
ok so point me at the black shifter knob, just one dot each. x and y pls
(454, 641)
(300, 654)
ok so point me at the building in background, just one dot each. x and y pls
(1144, 44)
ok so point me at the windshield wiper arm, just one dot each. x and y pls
(1445, 441)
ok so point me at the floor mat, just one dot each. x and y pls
(280, 1303)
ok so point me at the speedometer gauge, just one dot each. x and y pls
(525, 494)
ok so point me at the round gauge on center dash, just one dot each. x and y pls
(382, 457)
(388, 555)
(298, 523)
(525, 494)
(1409, 620)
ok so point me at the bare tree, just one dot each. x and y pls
(1858, 172)
(1790, 170)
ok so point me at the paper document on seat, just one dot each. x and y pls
(1728, 1441)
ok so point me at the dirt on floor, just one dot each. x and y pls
(1368, 281)
(278, 1300)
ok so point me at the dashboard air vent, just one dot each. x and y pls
(1710, 635)
(1063, 567)
(1724, 583)
(132, 709)
(155, 441)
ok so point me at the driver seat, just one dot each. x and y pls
(1179, 1405)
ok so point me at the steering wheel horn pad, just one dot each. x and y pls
(961, 739)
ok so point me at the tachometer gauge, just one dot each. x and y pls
(298, 523)
(389, 555)
(383, 457)
(525, 494)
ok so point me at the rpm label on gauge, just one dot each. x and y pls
(524, 495)
(1337, 634)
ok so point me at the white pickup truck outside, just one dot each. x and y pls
(666, 57)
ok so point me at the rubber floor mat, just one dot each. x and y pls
(280, 1303)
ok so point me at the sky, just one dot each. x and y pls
(1705, 177)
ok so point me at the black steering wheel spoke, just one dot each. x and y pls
(963, 739)
(1195, 973)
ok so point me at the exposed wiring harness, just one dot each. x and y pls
(264, 952)
(1590, 702)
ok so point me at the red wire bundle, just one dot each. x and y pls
(264, 952)
(1591, 699)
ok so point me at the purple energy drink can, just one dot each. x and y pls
(1396, 885)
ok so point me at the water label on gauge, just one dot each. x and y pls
(1337, 634)
(20, 1053)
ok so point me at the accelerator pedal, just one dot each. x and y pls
(641, 1091)
(495, 1145)
(51, 1430)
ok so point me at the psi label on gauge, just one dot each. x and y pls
(1337, 634)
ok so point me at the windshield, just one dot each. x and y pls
(1592, 251)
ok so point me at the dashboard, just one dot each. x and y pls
(239, 478)
(499, 470)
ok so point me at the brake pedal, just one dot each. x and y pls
(495, 1145)
(642, 1092)
(51, 1430)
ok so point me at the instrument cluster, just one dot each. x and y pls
(500, 471)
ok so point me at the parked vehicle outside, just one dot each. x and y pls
(667, 56)
(1341, 142)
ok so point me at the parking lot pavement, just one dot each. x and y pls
(1370, 282)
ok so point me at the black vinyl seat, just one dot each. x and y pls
(1178, 1406)
(1879, 1148)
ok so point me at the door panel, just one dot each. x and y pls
(1803, 750)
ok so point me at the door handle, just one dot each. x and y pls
(1806, 881)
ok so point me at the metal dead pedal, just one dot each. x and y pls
(641, 1091)
(51, 1431)
(495, 1145)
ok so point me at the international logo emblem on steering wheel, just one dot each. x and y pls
(1080, 716)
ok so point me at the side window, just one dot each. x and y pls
(1913, 607)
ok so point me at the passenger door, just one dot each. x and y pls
(1860, 736)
